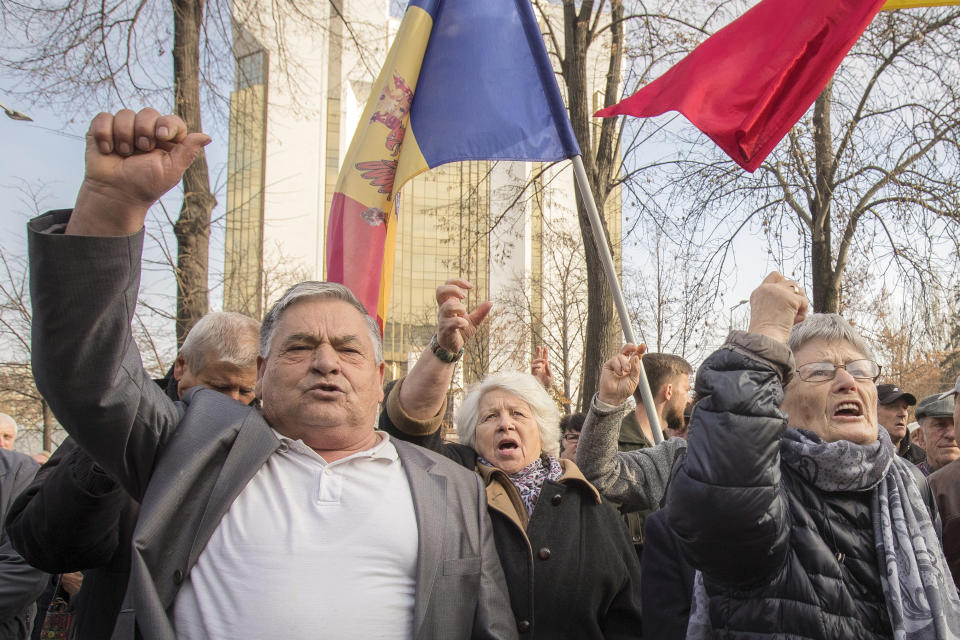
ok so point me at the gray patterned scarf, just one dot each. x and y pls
(921, 598)
(530, 479)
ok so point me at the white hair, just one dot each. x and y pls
(5, 417)
(525, 387)
(228, 336)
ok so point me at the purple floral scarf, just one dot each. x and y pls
(530, 479)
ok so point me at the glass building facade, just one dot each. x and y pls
(243, 257)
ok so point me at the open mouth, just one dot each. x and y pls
(325, 386)
(848, 410)
(508, 446)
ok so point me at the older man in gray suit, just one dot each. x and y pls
(300, 521)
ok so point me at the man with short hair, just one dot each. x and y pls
(8, 431)
(892, 404)
(945, 484)
(935, 415)
(219, 353)
(669, 378)
(302, 520)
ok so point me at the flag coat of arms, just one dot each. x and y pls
(464, 80)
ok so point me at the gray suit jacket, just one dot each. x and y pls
(20, 584)
(187, 461)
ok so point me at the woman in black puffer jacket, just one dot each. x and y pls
(813, 530)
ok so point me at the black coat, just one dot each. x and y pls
(73, 517)
(20, 584)
(667, 586)
(573, 573)
(780, 558)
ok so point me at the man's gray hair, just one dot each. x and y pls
(322, 290)
(829, 327)
(224, 336)
(5, 417)
(525, 387)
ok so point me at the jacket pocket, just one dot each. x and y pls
(461, 566)
(125, 627)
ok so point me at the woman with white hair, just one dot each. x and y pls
(792, 503)
(569, 563)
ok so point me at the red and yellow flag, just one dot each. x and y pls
(464, 80)
(913, 4)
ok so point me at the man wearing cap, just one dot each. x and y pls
(935, 415)
(892, 403)
(945, 485)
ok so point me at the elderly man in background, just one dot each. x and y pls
(892, 411)
(945, 484)
(219, 353)
(73, 517)
(252, 524)
(935, 415)
(8, 432)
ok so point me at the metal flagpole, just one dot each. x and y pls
(607, 260)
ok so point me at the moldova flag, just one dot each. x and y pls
(464, 80)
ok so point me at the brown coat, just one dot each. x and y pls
(945, 484)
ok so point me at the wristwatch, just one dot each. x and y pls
(447, 356)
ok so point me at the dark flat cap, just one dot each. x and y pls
(935, 406)
(888, 393)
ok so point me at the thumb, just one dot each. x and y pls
(773, 277)
(183, 154)
(478, 315)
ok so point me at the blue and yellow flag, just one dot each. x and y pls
(464, 80)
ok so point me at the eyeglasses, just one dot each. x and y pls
(826, 371)
(571, 437)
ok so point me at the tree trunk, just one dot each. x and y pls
(826, 284)
(192, 228)
(603, 329)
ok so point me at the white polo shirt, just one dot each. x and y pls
(309, 549)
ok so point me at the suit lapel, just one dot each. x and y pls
(429, 492)
(255, 442)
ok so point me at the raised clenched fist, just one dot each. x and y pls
(775, 306)
(131, 160)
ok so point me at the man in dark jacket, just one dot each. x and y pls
(945, 484)
(20, 584)
(935, 415)
(74, 517)
(892, 411)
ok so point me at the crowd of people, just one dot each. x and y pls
(271, 486)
